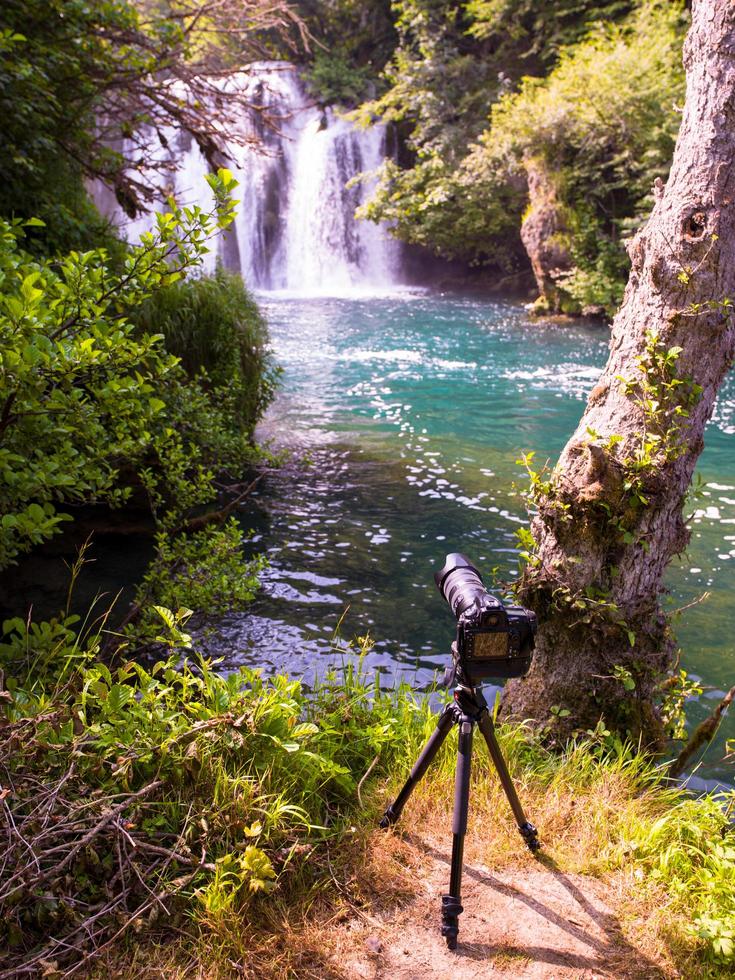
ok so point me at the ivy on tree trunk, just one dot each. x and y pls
(609, 516)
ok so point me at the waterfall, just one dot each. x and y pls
(295, 228)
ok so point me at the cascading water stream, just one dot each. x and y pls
(295, 228)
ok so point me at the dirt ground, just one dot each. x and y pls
(532, 923)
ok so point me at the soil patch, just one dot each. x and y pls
(533, 923)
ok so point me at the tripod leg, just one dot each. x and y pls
(452, 903)
(526, 828)
(443, 725)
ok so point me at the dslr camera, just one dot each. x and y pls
(493, 640)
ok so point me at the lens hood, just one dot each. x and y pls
(452, 562)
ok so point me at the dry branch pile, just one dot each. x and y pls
(77, 869)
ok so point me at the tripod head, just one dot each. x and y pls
(456, 677)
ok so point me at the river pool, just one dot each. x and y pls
(405, 415)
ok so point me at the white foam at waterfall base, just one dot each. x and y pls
(295, 231)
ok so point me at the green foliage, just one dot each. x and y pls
(588, 88)
(439, 91)
(448, 212)
(612, 94)
(689, 850)
(597, 279)
(219, 784)
(58, 61)
(352, 41)
(664, 400)
(676, 692)
(205, 570)
(604, 121)
(214, 327)
(335, 80)
(218, 781)
(82, 393)
(539, 30)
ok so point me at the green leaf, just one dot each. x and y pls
(118, 697)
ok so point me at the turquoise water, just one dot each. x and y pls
(406, 416)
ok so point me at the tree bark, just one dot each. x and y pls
(609, 517)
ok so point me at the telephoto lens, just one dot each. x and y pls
(460, 583)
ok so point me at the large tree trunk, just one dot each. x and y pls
(609, 516)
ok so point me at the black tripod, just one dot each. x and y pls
(468, 709)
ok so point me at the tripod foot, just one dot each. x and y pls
(451, 909)
(389, 818)
(530, 835)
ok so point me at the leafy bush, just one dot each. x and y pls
(205, 570)
(79, 392)
(604, 123)
(90, 403)
(613, 96)
(588, 89)
(334, 79)
(213, 325)
(448, 212)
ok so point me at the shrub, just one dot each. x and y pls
(213, 325)
(604, 123)
(80, 393)
(334, 80)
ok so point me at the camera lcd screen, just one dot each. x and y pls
(487, 646)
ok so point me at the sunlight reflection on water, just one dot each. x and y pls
(413, 412)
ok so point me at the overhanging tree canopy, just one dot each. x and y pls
(87, 88)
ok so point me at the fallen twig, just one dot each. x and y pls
(365, 776)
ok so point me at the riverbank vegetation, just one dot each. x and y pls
(163, 812)
(128, 379)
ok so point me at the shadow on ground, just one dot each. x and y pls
(532, 923)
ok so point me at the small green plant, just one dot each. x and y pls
(559, 712)
(677, 690)
(625, 677)
(665, 401)
(206, 570)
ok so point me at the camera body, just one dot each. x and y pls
(493, 640)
